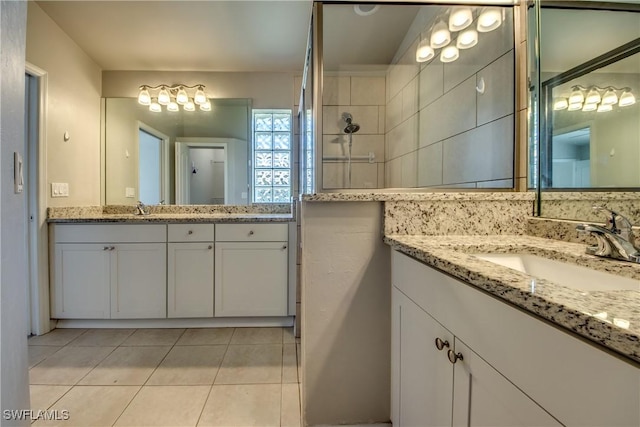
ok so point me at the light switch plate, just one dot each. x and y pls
(59, 189)
(130, 192)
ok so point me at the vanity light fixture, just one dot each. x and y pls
(600, 99)
(454, 26)
(172, 96)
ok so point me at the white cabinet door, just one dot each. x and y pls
(483, 397)
(251, 279)
(190, 280)
(139, 281)
(80, 288)
(425, 384)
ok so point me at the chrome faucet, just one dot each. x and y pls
(141, 209)
(617, 241)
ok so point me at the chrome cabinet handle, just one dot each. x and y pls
(250, 232)
(210, 247)
(106, 248)
(112, 248)
(284, 247)
(453, 356)
(441, 344)
(190, 232)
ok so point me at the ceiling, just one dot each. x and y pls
(174, 35)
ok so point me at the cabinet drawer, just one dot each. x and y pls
(190, 232)
(252, 233)
(112, 233)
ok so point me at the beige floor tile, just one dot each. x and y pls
(43, 396)
(37, 353)
(251, 364)
(127, 366)
(242, 405)
(189, 365)
(257, 336)
(288, 336)
(68, 365)
(102, 337)
(289, 364)
(92, 405)
(290, 409)
(165, 406)
(56, 337)
(154, 337)
(206, 336)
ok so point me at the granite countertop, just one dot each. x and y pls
(166, 218)
(582, 312)
(386, 196)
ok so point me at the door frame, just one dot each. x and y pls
(183, 194)
(37, 238)
(164, 159)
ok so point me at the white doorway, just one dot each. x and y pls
(153, 165)
(35, 198)
(202, 172)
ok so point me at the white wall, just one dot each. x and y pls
(13, 253)
(74, 83)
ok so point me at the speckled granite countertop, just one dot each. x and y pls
(167, 218)
(381, 196)
(571, 309)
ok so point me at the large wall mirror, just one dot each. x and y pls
(198, 157)
(590, 98)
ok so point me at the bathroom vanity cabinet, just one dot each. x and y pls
(159, 271)
(109, 271)
(497, 365)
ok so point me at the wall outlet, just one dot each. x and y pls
(59, 189)
(130, 192)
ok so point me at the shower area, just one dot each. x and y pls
(383, 109)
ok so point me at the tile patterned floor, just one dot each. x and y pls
(167, 377)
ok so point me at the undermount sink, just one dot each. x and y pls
(570, 275)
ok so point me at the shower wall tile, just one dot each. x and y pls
(496, 102)
(393, 173)
(402, 139)
(400, 75)
(381, 119)
(501, 183)
(483, 154)
(451, 114)
(367, 90)
(381, 174)
(409, 164)
(338, 145)
(394, 112)
(336, 91)
(430, 165)
(431, 83)
(410, 99)
(336, 175)
(365, 116)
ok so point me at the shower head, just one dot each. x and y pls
(350, 127)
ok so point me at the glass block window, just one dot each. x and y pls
(272, 156)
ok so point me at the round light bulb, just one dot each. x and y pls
(172, 106)
(626, 99)
(189, 106)
(440, 37)
(182, 97)
(560, 104)
(460, 18)
(163, 96)
(144, 97)
(206, 106)
(200, 97)
(489, 19)
(609, 98)
(467, 39)
(449, 54)
(155, 107)
(424, 52)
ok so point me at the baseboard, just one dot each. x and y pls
(219, 322)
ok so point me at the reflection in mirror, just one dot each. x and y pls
(590, 122)
(141, 161)
(417, 97)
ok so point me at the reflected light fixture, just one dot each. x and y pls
(460, 18)
(490, 18)
(467, 39)
(424, 52)
(449, 54)
(172, 96)
(600, 99)
(440, 36)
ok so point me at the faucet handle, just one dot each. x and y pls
(619, 224)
